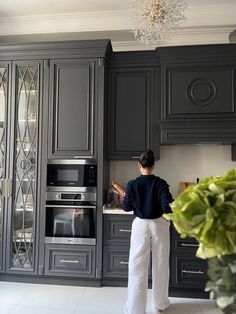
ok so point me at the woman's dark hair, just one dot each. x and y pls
(147, 159)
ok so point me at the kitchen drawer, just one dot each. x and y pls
(70, 260)
(115, 262)
(117, 229)
(179, 244)
(188, 271)
(184, 245)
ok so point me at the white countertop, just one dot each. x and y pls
(112, 210)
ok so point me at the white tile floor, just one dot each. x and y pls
(19, 298)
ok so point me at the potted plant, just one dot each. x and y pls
(207, 212)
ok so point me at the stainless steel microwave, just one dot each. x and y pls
(71, 174)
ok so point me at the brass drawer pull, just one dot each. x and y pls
(124, 230)
(189, 245)
(199, 272)
(74, 261)
(124, 263)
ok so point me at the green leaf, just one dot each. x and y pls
(233, 268)
(207, 211)
(223, 302)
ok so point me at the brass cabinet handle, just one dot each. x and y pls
(189, 245)
(71, 261)
(124, 230)
(199, 272)
(124, 263)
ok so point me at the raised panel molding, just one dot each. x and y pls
(72, 260)
(198, 132)
(196, 92)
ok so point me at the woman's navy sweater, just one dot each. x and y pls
(148, 196)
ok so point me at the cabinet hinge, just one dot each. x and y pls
(6, 187)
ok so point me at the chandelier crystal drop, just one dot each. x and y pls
(156, 21)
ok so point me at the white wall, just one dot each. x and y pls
(180, 163)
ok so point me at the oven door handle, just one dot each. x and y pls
(71, 206)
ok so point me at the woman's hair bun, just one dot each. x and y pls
(147, 159)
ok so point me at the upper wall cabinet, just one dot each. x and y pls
(133, 94)
(72, 107)
(198, 99)
(76, 89)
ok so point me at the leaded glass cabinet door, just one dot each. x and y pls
(4, 79)
(23, 242)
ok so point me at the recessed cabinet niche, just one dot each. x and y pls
(72, 107)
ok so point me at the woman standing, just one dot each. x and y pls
(148, 196)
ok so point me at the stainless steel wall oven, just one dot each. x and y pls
(71, 202)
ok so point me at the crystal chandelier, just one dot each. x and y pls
(156, 21)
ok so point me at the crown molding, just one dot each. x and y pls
(184, 36)
(197, 16)
(206, 24)
(62, 23)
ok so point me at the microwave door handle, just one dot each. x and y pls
(71, 206)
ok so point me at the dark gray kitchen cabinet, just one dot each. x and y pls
(20, 147)
(186, 270)
(233, 152)
(116, 243)
(70, 260)
(133, 96)
(115, 262)
(28, 88)
(197, 92)
(72, 107)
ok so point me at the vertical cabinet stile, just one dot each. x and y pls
(4, 109)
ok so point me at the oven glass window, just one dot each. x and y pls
(70, 222)
(67, 175)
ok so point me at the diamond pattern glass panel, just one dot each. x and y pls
(3, 102)
(25, 167)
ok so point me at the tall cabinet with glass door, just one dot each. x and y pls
(20, 106)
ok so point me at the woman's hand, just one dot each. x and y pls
(119, 188)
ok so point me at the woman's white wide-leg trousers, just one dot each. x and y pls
(148, 235)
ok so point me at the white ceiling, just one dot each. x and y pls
(10, 8)
(208, 21)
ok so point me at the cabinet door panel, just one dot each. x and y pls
(70, 260)
(200, 92)
(72, 107)
(131, 106)
(22, 242)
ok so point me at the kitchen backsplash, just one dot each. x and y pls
(180, 163)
